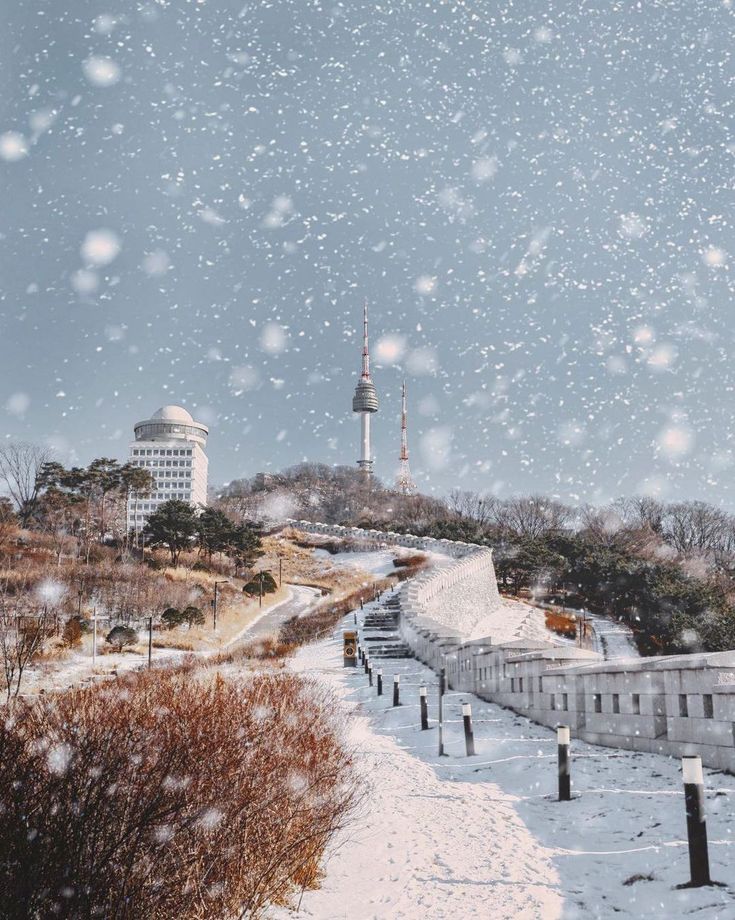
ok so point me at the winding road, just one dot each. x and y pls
(300, 599)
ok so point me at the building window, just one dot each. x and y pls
(552, 701)
(709, 709)
(540, 684)
(512, 685)
(636, 704)
(565, 702)
(597, 697)
(520, 684)
(683, 706)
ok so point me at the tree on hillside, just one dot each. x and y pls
(472, 505)
(245, 546)
(8, 521)
(217, 533)
(531, 516)
(214, 532)
(135, 482)
(58, 515)
(20, 468)
(97, 495)
(696, 527)
(174, 524)
(105, 477)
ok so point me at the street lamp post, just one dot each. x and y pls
(95, 618)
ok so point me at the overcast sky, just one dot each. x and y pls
(536, 199)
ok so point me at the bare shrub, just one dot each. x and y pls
(71, 633)
(22, 637)
(171, 794)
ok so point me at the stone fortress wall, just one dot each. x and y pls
(675, 704)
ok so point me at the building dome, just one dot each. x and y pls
(171, 422)
(173, 414)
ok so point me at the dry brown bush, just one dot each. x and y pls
(414, 561)
(169, 794)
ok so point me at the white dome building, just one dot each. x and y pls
(171, 446)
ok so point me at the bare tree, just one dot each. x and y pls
(21, 639)
(8, 521)
(531, 516)
(472, 505)
(696, 527)
(642, 511)
(20, 468)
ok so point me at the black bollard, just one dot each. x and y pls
(380, 681)
(696, 821)
(424, 709)
(562, 740)
(366, 661)
(469, 738)
(442, 686)
(370, 674)
(396, 689)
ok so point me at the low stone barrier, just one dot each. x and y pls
(674, 705)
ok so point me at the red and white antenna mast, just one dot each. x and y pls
(404, 481)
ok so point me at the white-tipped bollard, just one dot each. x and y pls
(469, 738)
(396, 690)
(424, 703)
(696, 821)
(380, 681)
(563, 737)
(370, 673)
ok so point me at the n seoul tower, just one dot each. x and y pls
(404, 480)
(365, 401)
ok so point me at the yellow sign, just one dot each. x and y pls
(349, 641)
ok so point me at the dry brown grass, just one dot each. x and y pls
(170, 794)
(301, 567)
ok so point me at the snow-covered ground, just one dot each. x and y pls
(484, 837)
(379, 562)
(77, 667)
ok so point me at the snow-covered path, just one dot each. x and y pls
(461, 837)
(612, 639)
(298, 601)
(421, 845)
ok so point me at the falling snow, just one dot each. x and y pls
(535, 198)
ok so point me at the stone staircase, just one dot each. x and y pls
(379, 634)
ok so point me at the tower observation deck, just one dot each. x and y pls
(365, 401)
